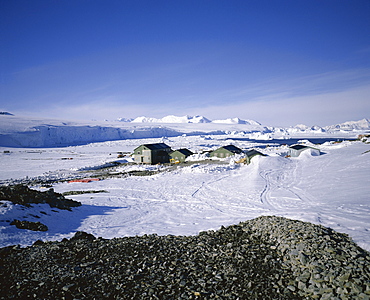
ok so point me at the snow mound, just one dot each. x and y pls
(307, 154)
(198, 157)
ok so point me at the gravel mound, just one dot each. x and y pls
(264, 258)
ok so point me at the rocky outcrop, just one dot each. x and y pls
(21, 194)
(34, 226)
(325, 264)
(265, 258)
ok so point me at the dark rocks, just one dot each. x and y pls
(21, 194)
(326, 264)
(142, 173)
(264, 258)
(35, 226)
(83, 192)
(80, 235)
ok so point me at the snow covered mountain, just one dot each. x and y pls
(301, 128)
(363, 124)
(125, 120)
(236, 121)
(26, 132)
(172, 119)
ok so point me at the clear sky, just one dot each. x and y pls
(277, 62)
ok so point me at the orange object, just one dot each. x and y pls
(84, 180)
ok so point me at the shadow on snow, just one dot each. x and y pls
(60, 223)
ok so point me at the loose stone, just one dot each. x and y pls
(263, 258)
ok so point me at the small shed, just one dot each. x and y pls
(180, 155)
(226, 151)
(252, 153)
(152, 153)
(296, 150)
(364, 137)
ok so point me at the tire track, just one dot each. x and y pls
(280, 181)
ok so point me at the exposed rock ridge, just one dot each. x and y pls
(21, 194)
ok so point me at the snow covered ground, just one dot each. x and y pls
(331, 189)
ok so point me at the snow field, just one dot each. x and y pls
(202, 197)
(331, 190)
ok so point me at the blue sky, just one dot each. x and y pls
(277, 62)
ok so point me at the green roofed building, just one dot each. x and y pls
(180, 155)
(296, 150)
(226, 151)
(152, 153)
(252, 153)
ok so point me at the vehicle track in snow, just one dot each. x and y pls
(280, 190)
(206, 184)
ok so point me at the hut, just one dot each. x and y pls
(152, 153)
(296, 150)
(364, 137)
(179, 155)
(226, 151)
(252, 153)
(248, 156)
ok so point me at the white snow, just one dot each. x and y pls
(363, 124)
(236, 121)
(172, 119)
(24, 132)
(331, 189)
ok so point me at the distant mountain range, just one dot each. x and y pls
(31, 132)
(188, 119)
(236, 121)
(351, 126)
(363, 124)
(360, 125)
(172, 119)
